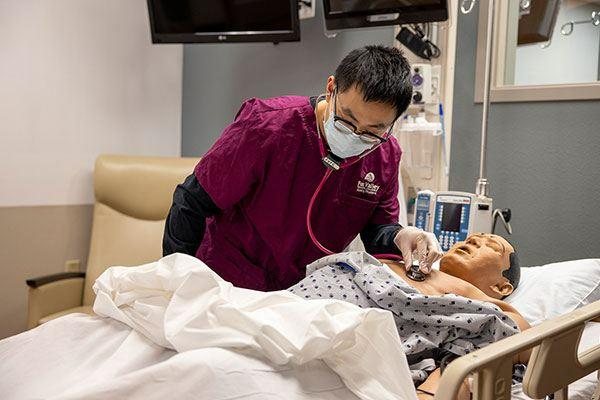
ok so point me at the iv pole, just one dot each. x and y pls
(482, 187)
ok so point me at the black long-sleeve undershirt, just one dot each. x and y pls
(379, 239)
(185, 224)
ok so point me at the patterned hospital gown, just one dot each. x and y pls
(429, 326)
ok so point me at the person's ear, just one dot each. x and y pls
(329, 88)
(503, 288)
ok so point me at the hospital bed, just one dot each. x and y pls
(110, 360)
(555, 336)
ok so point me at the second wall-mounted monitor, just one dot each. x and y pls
(206, 21)
(537, 20)
(348, 14)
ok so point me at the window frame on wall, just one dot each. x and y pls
(499, 92)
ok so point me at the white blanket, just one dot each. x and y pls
(179, 303)
(79, 357)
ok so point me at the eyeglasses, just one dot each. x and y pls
(348, 127)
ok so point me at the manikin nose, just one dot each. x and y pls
(476, 240)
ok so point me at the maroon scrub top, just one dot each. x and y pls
(262, 172)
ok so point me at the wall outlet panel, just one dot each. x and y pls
(72, 266)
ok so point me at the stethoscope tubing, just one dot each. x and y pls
(345, 164)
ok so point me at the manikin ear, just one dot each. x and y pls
(503, 288)
(329, 88)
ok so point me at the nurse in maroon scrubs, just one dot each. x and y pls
(244, 209)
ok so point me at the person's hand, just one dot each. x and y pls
(425, 244)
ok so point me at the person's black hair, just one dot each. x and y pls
(513, 273)
(380, 73)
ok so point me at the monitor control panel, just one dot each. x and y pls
(451, 219)
(422, 209)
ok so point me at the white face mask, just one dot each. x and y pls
(343, 142)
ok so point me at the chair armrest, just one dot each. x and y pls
(51, 294)
(42, 280)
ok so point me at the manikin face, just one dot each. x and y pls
(480, 261)
(369, 116)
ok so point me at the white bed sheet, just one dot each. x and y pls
(178, 303)
(83, 357)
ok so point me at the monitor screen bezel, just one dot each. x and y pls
(408, 14)
(292, 35)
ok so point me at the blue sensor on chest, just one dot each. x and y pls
(345, 266)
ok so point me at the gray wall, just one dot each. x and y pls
(543, 163)
(217, 78)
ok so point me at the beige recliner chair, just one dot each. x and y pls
(133, 197)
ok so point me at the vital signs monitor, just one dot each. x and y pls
(452, 216)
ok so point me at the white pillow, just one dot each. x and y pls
(554, 289)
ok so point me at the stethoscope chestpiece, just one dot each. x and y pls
(414, 274)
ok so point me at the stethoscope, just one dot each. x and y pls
(333, 163)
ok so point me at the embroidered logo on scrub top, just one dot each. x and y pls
(367, 186)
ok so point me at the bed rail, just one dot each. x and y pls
(553, 365)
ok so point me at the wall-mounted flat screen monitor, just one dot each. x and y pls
(208, 21)
(537, 22)
(348, 14)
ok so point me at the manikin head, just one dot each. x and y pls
(487, 261)
(372, 88)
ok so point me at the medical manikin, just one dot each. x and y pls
(452, 312)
